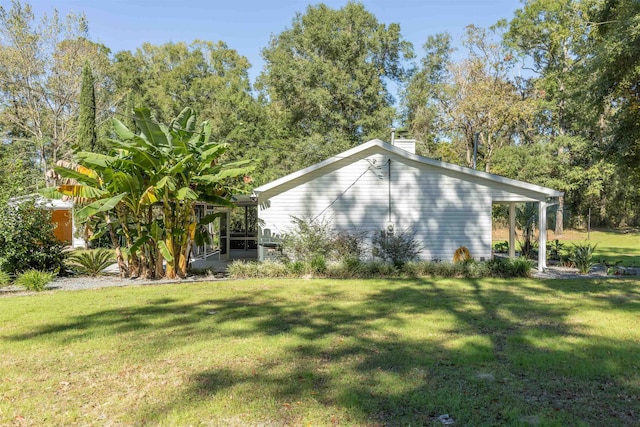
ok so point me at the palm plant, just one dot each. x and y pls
(91, 263)
(582, 257)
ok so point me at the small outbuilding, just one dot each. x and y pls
(378, 185)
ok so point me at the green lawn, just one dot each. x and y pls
(323, 352)
(614, 247)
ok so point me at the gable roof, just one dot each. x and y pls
(377, 146)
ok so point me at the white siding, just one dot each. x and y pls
(444, 209)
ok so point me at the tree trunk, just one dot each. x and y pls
(122, 265)
(559, 217)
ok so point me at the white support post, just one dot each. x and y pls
(512, 230)
(542, 242)
(228, 217)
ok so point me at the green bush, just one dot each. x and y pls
(307, 239)
(501, 247)
(347, 244)
(505, 267)
(397, 248)
(296, 267)
(91, 262)
(582, 257)
(34, 280)
(379, 268)
(27, 241)
(319, 264)
(5, 278)
(255, 269)
(355, 268)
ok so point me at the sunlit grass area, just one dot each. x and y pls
(321, 352)
(613, 247)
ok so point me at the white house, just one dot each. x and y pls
(378, 185)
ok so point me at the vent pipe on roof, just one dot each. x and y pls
(393, 135)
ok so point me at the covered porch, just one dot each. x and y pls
(542, 206)
(233, 235)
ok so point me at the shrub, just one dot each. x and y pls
(397, 248)
(307, 239)
(34, 280)
(91, 262)
(348, 267)
(379, 268)
(254, 269)
(5, 278)
(521, 267)
(505, 267)
(348, 244)
(582, 257)
(319, 264)
(555, 249)
(461, 254)
(501, 247)
(296, 267)
(27, 241)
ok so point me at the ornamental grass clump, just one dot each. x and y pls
(34, 280)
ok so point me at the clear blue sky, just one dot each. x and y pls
(246, 25)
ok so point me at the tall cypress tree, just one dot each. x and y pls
(87, 138)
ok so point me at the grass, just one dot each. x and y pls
(325, 352)
(620, 247)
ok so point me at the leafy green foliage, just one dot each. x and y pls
(147, 189)
(506, 267)
(34, 280)
(355, 268)
(5, 278)
(397, 248)
(42, 58)
(211, 76)
(318, 264)
(582, 257)
(308, 238)
(91, 262)
(501, 247)
(615, 64)
(329, 71)
(27, 240)
(86, 134)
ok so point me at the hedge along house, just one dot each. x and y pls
(378, 186)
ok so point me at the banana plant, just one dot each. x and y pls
(146, 190)
(182, 167)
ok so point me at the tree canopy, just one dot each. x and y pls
(556, 82)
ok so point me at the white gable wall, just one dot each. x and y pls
(444, 209)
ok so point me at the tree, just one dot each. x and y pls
(39, 79)
(550, 34)
(469, 102)
(615, 63)
(208, 77)
(425, 89)
(146, 191)
(86, 136)
(328, 73)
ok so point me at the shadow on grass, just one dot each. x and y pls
(407, 351)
